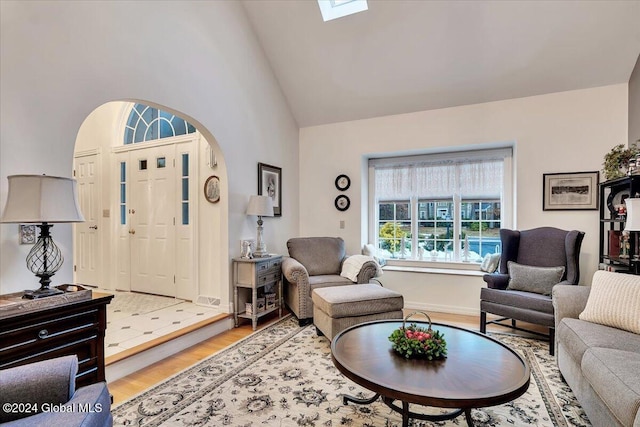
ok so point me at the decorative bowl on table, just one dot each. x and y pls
(417, 342)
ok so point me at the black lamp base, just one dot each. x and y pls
(42, 293)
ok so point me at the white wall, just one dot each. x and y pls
(63, 59)
(560, 132)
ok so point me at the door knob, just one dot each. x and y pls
(132, 231)
(94, 227)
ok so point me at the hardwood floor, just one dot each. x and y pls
(137, 382)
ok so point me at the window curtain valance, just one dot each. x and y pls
(435, 178)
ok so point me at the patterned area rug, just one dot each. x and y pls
(284, 376)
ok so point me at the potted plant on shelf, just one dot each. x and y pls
(616, 161)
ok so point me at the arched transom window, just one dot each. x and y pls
(147, 124)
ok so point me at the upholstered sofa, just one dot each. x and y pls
(601, 363)
(43, 394)
(316, 262)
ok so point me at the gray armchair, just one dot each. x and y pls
(316, 262)
(44, 394)
(538, 247)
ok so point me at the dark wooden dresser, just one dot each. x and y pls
(72, 328)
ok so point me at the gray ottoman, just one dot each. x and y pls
(336, 308)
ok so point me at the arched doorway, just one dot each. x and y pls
(139, 169)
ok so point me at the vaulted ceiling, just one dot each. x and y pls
(411, 55)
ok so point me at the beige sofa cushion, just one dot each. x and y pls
(327, 280)
(615, 376)
(577, 336)
(614, 301)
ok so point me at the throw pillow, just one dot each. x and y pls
(614, 301)
(490, 263)
(370, 250)
(539, 280)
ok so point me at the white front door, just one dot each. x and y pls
(88, 246)
(155, 207)
(152, 219)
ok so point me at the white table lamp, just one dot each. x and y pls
(632, 224)
(260, 206)
(633, 214)
(43, 200)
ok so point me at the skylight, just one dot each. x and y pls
(333, 9)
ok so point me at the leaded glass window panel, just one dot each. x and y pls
(149, 124)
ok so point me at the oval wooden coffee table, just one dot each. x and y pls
(478, 372)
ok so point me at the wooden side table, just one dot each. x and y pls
(256, 275)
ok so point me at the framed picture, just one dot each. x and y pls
(27, 233)
(270, 184)
(212, 189)
(570, 191)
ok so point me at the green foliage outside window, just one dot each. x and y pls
(390, 235)
(475, 226)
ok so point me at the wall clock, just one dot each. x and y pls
(343, 182)
(342, 203)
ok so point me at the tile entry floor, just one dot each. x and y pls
(135, 318)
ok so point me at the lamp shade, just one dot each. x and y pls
(260, 206)
(41, 198)
(633, 214)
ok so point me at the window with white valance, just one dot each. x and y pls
(426, 207)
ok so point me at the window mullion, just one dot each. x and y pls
(457, 225)
(414, 227)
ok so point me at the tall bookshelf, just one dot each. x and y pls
(612, 194)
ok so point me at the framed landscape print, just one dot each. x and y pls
(270, 184)
(570, 191)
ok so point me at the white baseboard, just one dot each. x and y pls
(411, 305)
(226, 308)
(141, 360)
